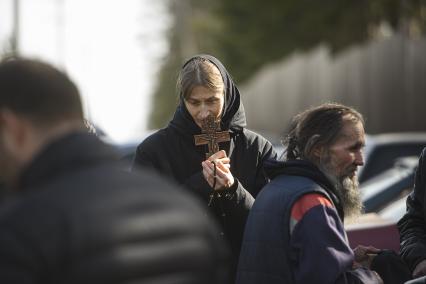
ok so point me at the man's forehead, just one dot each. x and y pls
(352, 131)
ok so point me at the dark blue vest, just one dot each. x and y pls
(264, 258)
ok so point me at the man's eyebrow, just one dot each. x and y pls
(358, 144)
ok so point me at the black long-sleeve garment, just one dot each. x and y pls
(412, 226)
(80, 218)
(172, 152)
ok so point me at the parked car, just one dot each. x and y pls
(395, 210)
(378, 229)
(384, 200)
(382, 150)
(372, 229)
(388, 186)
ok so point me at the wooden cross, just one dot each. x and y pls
(212, 135)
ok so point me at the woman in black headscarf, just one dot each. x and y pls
(235, 171)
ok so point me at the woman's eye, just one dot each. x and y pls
(211, 102)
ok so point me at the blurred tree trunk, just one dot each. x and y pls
(182, 45)
(14, 39)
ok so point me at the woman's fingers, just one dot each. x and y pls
(224, 160)
(208, 172)
(223, 172)
(218, 155)
(223, 175)
(223, 167)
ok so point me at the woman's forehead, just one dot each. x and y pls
(202, 92)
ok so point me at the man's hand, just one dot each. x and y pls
(224, 177)
(420, 269)
(364, 255)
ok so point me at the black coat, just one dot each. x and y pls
(412, 226)
(172, 152)
(80, 218)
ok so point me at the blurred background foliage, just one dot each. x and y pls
(247, 34)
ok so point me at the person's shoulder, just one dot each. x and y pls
(170, 195)
(254, 137)
(153, 140)
(307, 202)
(252, 134)
(172, 215)
(27, 209)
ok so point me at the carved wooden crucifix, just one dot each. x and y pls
(211, 136)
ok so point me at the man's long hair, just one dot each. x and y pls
(316, 126)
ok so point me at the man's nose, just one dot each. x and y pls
(359, 158)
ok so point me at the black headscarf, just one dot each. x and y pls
(233, 117)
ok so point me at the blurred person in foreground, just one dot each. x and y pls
(295, 233)
(228, 178)
(75, 215)
(412, 226)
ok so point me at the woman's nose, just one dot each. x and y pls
(204, 112)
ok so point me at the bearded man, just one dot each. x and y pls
(295, 233)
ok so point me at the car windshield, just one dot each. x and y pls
(382, 150)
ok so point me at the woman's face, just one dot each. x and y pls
(202, 102)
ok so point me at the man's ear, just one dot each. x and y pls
(317, 151)
(14, 130)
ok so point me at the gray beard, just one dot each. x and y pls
(347, 191)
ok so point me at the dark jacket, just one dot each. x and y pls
(316, 251)
(412, 226)
(80, 218)
(172, 152)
